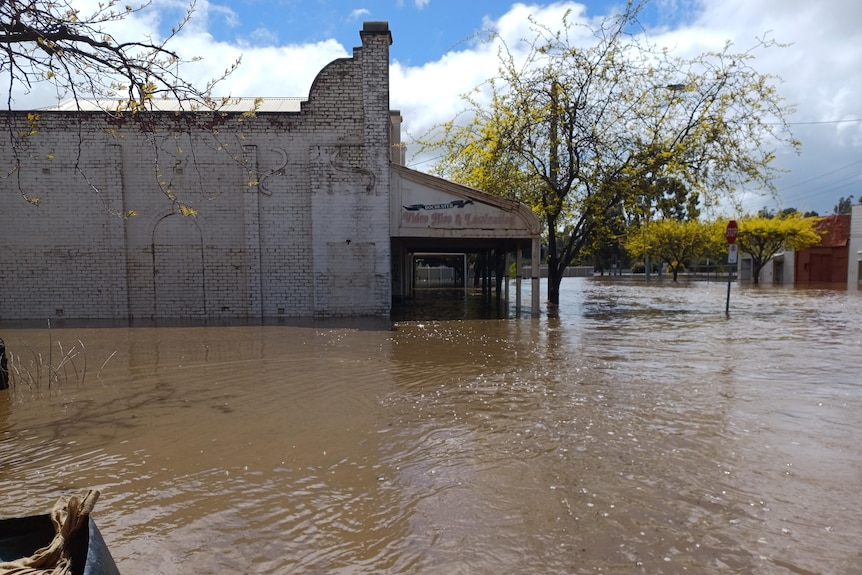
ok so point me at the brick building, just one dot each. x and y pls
(827, 262)
(293, 210)
(836, 260)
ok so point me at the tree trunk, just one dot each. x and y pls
(554, 272)
(555, 277)
(755, 272)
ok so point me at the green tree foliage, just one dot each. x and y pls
(674, 200)
(844, 205)
(674, 242)
(762, 238)
(585, 134)
(765, 212)
(606, 246)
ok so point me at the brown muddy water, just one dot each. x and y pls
(640, 431)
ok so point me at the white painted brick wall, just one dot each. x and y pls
(854, 267)
(265, 242)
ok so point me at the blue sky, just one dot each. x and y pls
(423, 30)
(435, 57)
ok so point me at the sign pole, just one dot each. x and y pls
(729, 278)
(732, 252)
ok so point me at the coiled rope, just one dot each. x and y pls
(68, 515)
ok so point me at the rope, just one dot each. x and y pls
(68, 515)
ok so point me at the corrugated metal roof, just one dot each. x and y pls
(232, 105)
(835, 231)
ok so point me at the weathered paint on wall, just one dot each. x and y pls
(854, 268)
(292, 208)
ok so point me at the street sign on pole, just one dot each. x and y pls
(731, 232)
(732, 252)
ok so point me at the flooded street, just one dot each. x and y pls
(640, 431)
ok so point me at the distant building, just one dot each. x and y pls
(302, 208)
(854, 267)
(826, 263)
(833, 261)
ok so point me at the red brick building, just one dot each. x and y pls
(827, 262)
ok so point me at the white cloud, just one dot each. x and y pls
(209, 9)
(267, 71)
(432, 93)
(817, 70)
(263, 36)
(820, 73)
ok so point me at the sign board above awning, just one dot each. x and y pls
(426, 206)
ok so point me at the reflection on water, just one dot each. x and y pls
(456, 303)
(640, 430)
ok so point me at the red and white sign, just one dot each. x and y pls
(730, 233)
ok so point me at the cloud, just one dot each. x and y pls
(431, 94)
(266, 71)
(231, 18)
(819, 71)
(359, 13)
(263, 36)
(815, 69)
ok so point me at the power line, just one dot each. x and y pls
(820, 192)
(808, 181)
(812, 123)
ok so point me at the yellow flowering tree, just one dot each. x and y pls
(762, 238)
(582, 130)
(674, 242)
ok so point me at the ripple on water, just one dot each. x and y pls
(641, 429)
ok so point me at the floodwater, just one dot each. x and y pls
(641, 430)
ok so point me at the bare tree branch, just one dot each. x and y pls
(52, 41)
